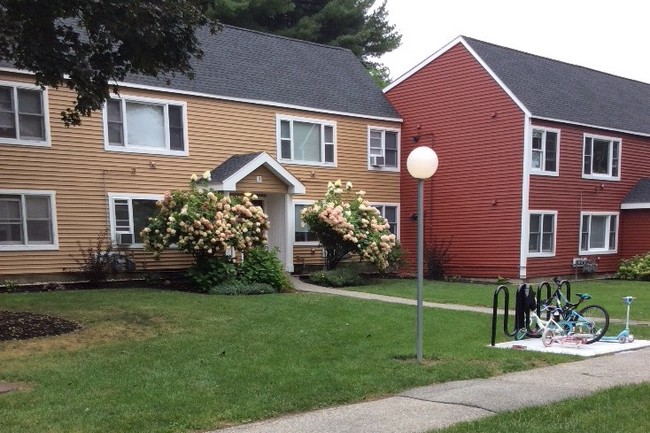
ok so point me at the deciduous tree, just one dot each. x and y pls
(90, 45)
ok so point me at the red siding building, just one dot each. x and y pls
(541, 162)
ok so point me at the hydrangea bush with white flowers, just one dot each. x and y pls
(205, 223)
(344, 222)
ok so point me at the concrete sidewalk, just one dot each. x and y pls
(427, 408)
(301, 286)
(438, 406)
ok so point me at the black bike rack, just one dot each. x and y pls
(523, 305)
(522, 314)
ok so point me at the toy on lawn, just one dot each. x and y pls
(624, 336)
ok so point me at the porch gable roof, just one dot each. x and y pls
(639, 196)
(226, 176)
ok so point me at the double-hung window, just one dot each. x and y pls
(23, 117)
(545, 151)
(145, 126)
(391, 214)
(601, 158)
(306, 141)
(302, 234)
(129, 216)
(383, 149)
(27, 221)
(541, 233)
(598, 232)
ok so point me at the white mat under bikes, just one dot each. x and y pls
(598, 348)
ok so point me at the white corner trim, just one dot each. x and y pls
(525, 196)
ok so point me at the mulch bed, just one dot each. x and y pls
(23, 325)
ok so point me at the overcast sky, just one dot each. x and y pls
(611, 36)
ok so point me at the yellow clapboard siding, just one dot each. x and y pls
(81, 172)
(268, 182)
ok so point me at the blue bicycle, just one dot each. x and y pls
(564, 321)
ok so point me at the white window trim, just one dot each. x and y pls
(542, 253)
(620, 153)
(540, 172)
(54, 246)
(278, 140)
(46, 117)
(383, 147)
(111, 211)
(142, 150)
(599, 251)
(397, 206)
(292, 224)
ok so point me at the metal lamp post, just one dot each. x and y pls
(422, 163)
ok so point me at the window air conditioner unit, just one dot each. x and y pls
(124, 238)
(377, 161)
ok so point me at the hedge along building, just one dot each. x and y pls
(265, 114)
(542, 163)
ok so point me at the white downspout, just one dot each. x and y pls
(525, 197)
(290, 229)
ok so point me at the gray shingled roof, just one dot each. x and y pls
(557, 90)
(231, 165)
(250, 65)
(640, 193)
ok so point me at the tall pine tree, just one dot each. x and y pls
(352, 24)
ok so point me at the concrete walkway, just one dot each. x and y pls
(427, 408)
(306, 287)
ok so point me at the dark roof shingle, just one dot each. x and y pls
(231, 166)
(640, 193)
(562, 91)
(254, 66)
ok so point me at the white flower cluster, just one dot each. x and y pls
(204, 223)
(355, 223)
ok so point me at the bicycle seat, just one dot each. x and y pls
(584, 296)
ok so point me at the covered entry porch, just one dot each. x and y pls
(260, 174)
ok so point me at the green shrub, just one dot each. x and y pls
(239, 287)
(10, 285)
(396, 259)
(636, 268)
(223, 276)
(211, 272)
(261, 265)
(339, 277)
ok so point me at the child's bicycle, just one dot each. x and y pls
(558, 330)
(587, 325)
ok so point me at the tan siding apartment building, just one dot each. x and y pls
(279, 123)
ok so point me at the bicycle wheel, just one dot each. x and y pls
(547, 337)
(596, 319)
(535, 326)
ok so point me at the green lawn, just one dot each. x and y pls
(622, 409)
(606, 293)
(164, 361)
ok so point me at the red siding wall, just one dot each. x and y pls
(474, 199)
(635, 232)
(569, 194)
